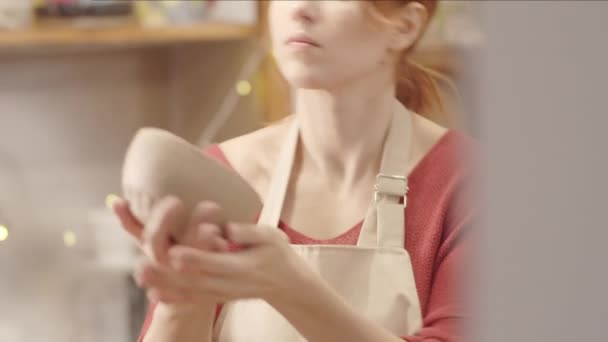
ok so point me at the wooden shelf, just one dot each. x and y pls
(49, 34)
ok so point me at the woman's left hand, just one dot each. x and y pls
(264, 266)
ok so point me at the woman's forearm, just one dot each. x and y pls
(184, 324)
(321, 315)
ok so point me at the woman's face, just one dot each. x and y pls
(322, 44)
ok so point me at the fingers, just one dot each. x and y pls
(253, 235)
(204, 230)
(213, 238)
(192, 261)
(205, 236)
(166, 218)
(166, 285)
(127, 220)
(161, 284)
(208, 212)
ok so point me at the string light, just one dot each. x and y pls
(243, 88)
(69, 238)
(110, 198)
(3, 232)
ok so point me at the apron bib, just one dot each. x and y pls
(375, 276)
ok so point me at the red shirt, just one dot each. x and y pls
(439, 217)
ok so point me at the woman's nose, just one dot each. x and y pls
(305, 11)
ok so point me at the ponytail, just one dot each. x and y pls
(418, 89)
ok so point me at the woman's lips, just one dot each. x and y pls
(302, 40)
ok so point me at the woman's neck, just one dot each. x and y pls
(343, 130)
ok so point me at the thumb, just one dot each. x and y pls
(127, 220)
(166, 219)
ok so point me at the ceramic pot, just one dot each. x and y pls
(159, 163)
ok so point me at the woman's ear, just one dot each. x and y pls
(409, 26)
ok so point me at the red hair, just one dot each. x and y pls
(417, 88)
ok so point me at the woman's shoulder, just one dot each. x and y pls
(445, 155)
(446, 179)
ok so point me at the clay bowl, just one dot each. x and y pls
(159, 163)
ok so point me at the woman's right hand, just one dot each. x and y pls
(169, 224)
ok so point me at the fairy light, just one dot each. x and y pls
(110, 199)
(69, 238)
(243, 88)
(3, 232)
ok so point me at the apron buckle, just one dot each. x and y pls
(390, 185)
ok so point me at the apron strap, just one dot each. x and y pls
(273, 203)
(384, 224)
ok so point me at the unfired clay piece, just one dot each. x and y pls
(159, 163)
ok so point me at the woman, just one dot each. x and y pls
(351, 150)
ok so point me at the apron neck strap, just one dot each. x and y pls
(273, 203)
(384, 224)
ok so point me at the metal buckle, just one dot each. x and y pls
(390, 185)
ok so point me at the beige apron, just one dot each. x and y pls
(375, 276)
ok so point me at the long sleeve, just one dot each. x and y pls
(445, 312)
(453, 216)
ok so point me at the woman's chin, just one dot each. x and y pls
(307, 81)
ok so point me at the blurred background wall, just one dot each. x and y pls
(77, 79)
(541, 103)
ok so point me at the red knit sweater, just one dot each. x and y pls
(439, 216)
